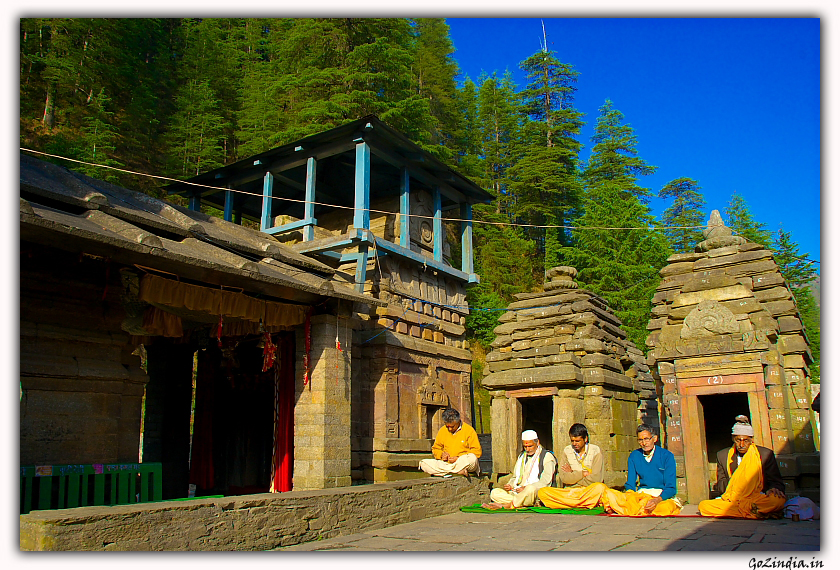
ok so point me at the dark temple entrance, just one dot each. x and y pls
(537, 414)
(233, 437)
(719, 411)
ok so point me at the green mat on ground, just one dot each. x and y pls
(546, 510)
(477, 508)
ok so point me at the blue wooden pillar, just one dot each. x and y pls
(466, 238)
(361, 212)
(361, 268)
(268, 188)
(405, 209)
(228, 205)
(195, 201)
(437, 227)
(309, 206)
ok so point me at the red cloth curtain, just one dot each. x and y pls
(284, 436)
(201, 461)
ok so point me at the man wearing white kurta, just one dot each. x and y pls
(535, 468)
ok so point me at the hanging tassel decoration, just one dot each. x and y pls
(269, 352)
(219, 332)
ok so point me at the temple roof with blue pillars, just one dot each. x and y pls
(345, 167)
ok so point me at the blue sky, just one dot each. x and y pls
(732, 102)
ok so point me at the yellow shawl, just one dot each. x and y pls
(747, 480)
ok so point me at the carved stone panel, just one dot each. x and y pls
(431, 391)
(710, 318)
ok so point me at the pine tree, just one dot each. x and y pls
(504, 258)
(614, 156)
(435, 71)
(620, 265)
(468, 134)
(331, 71)
(264, 114)
(97, 141)
(798, 272)
(67, 62)
(685, 211)
(197, 130)
(499, 120)
(546, 181)
(740, 220)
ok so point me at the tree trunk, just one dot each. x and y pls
(49, 107)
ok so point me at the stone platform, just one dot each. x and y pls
(545, 532)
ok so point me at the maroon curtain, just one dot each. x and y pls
(201, 460)
(284, 437)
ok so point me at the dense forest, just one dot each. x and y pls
(176, 97)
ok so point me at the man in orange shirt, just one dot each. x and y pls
(456, 448)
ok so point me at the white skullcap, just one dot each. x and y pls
(529, 435)
(742, 427)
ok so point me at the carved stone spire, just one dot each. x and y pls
(717, 235)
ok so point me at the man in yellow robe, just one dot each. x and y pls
(581, 472)
(750, 477)
(651, 486)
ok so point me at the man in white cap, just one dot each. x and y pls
(534, 469)
(748, 476)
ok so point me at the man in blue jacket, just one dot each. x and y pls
(651, 481)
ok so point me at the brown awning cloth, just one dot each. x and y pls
(161, 291)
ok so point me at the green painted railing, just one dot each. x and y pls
(68, 486)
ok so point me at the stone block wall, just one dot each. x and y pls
(81, 388)
(254, 522)
(721, 314)
(566, 343)
(323, 406)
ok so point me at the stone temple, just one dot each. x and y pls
(560, 357)
(726, 338)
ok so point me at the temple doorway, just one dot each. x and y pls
(537, 414)
(243, 428)
(719, 411)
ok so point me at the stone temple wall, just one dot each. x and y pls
(724, 322)
(565, 343)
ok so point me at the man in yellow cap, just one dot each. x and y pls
(748, 476)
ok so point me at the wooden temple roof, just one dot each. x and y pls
(74, 212)
(391, 151)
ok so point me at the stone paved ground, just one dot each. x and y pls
(482, 532)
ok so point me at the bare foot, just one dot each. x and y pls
(492, 506)
(463, 472)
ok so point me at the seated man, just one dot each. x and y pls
(748, 476)
(534, 469)
(656, 471)
(456, 448)
(581, 470)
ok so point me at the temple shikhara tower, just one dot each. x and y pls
(560, 357)
(726, 338)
